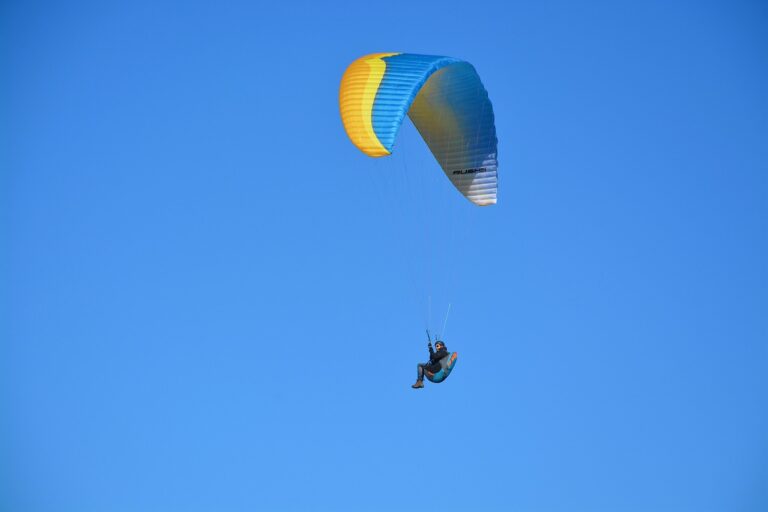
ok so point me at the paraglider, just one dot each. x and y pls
(450, 108)
(439, 367)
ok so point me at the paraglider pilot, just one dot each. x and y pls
(433, 366)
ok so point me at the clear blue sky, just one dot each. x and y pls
(211, 301)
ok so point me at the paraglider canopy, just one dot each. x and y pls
(447, 103)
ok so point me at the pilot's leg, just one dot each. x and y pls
(420, 376)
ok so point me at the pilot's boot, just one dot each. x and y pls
(419, 384)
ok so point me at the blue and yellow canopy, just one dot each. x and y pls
(447, 103)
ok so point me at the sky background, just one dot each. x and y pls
(210, 300)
